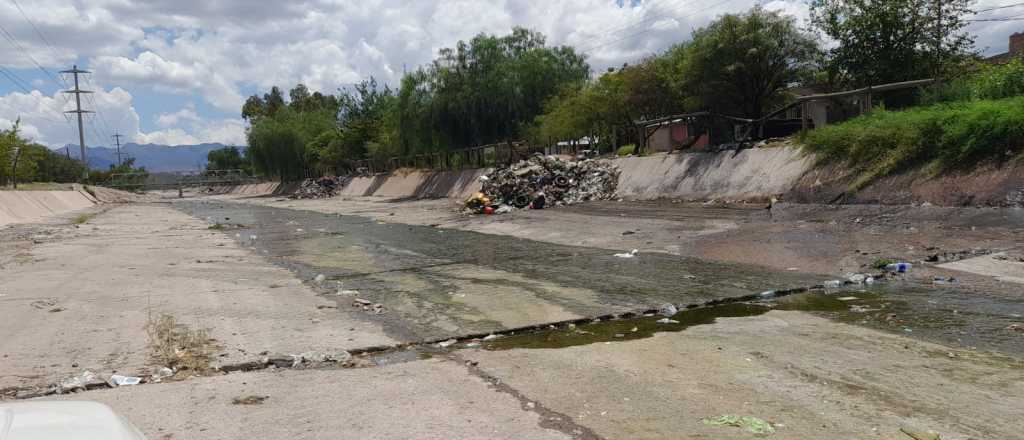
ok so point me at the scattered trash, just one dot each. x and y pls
(767, 294)
(1016, 327)
(162, 373)
(322, 188)
(491, 337)
(848, 298)
(542, 180)
(833, 284)
(920, 435)
(859, 278)
(121, 381)
(448, 343)
(82, 381)
(629, 254)
(751, 424)
(320, 278)
(346, 292)
(249, 400)
(667, 321)
(943, 280)
(668, 310)
(898, 267)
(504, 209)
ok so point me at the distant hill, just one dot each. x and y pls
(156, 158)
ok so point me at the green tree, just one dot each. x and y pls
(883, 41)
(740, 63)
(227, 158)
(484, 90)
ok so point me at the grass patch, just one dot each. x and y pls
(880, 263)
(82, 218)
(626, 150)
(179, 347)
(216, 227)
(944, 137)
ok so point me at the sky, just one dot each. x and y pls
(176, 72)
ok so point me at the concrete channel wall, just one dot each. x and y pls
(748, 175)
(28, 206)
(753, 174)
(459, 184)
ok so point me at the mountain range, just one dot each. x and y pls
(156, 158)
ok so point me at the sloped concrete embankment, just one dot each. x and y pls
(754, 174)
(986, 185)
(417, 184)
(29, 206)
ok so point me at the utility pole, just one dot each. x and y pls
(78, 110)
(117, 138)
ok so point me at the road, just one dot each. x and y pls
(270, 277)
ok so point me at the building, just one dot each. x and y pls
(1015, 50)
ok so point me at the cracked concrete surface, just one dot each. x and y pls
(813, 377)
(81, 302)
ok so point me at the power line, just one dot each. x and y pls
(1013, 18)
(16, 80)
(18, 45)
(53, 51)
(1012, 5)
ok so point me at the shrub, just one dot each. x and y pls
(626, 150)
(950, 136)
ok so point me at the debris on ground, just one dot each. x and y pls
(369, 306)
(448, 343)
(120, 381)
(900, 267)
(161, 374)
(668, 310)
(833, 284)
(752, 424)
(629, 254)
(667, 321)
(1016, 327)
(544, 180)
(85, 380)
(249, 400)
(322, 188)
(920, 435)
(860, 278)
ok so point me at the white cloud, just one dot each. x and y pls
(171, 136)
(186, 114)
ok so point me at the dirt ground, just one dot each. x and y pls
(78, 297)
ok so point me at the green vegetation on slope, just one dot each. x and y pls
(944, 136)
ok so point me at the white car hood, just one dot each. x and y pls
(64, 421)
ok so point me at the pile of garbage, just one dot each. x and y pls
(321, 188)
(544, 180)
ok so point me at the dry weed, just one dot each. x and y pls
(179, 347)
